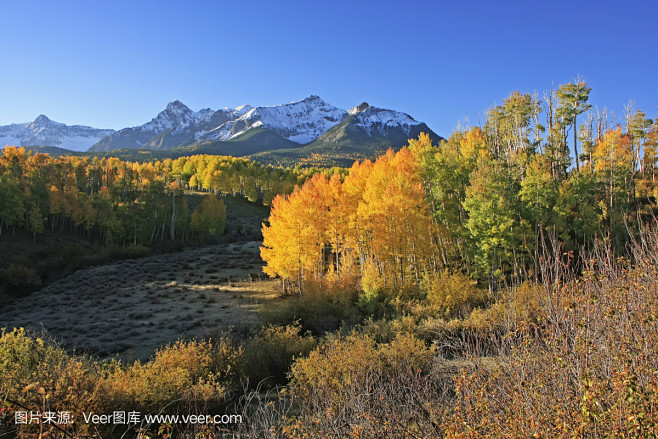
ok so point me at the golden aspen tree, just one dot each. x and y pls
(354, 231)
(613, 158)
(395, 217)
(293, 243)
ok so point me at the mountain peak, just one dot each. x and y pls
(42, 119)
(363, 106)
(177, 106)
(242, 109)
(312, 98)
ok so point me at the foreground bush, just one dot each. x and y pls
(453, 294)
(352, 387)
(187, 376)
(590, 369)
(320, 310)
(37, 376)
(269, 355)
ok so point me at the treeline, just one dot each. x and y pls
(128, 203)
(484, 202)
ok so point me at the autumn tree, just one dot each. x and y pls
(378, 215)
(613, 158)
(293, 242)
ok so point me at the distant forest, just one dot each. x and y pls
(127, 203)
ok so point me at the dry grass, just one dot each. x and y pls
(133, 307)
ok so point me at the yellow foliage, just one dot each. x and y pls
(613, 153)
(453, 293)
(39, 376)
(473, 146)
(378, 214)
(187, 371)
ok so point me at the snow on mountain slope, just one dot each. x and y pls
(379, 119)
(45, 132)
(301, 121)
(174, 126)
(176, 114)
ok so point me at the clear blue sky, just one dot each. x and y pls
(112, 64)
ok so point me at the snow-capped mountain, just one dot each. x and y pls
(365, 133)
(236, 131)
(176, 125)
(373, 127)
(301, 122)
(296, 123)
(45, 132)
(378, 121)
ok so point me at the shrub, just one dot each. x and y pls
(588, 367)
(333, 371)
(385, 331)
(269, 354)
(36, 375)
(352, 387)
(130, 252)
(454, 294)
(20, 278)
(183, 374)
(315, 312)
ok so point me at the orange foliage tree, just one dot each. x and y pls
(377, 218)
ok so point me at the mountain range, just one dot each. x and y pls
(45, 132)
(288, 133)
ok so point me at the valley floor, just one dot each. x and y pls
(133, 307)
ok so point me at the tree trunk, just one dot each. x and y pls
(575, 141)
(299, 282)
(173, 217)
(337, 262)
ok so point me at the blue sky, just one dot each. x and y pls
(112, 64)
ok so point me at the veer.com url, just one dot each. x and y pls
(91, 418)
(121, 417)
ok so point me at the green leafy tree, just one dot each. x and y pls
(539, 192)
(637, 127)
(491, 203)
(572, 98)
(210, 217)
(12, 210)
